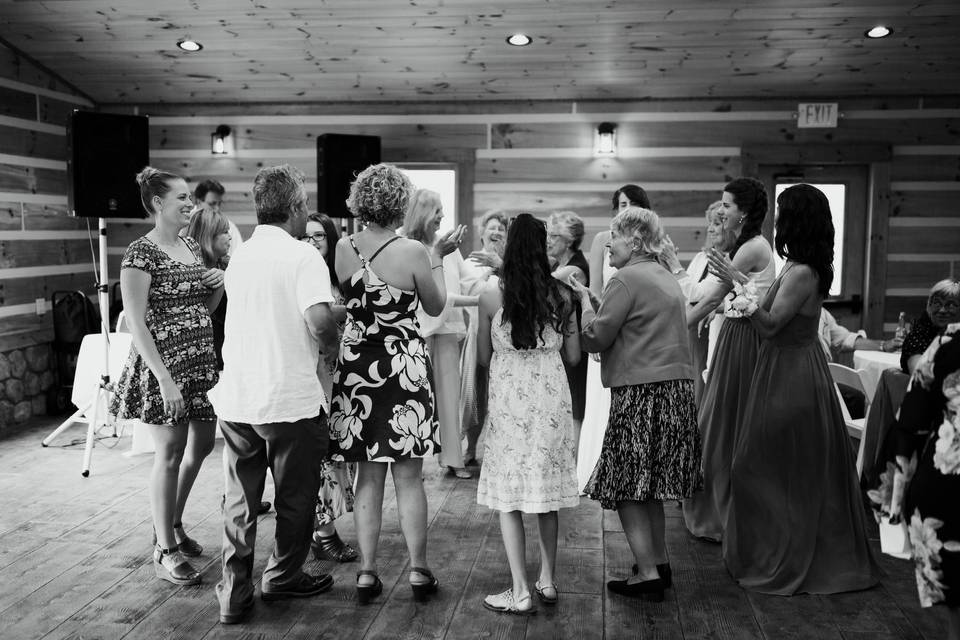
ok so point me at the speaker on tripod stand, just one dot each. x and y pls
(105, 153)
(340, 158)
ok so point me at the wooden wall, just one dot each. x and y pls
(42, 248)
(537, 157)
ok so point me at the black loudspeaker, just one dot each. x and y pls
(340, 158)
(106, 152)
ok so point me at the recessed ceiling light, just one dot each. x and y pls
(878, 31)
(519, 40)
(189, 45)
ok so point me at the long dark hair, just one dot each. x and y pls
(750, 196)
(635, 194)
(333, 237)
(805, 231)
(532, 297)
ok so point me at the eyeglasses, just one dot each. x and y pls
(947, 305)
(319, 235)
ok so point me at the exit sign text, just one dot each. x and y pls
(817, 114)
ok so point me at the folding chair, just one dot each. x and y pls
(851, 378)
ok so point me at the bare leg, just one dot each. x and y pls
(657, 530)
(170, 441)
(514, 541)
(547, 525)
(635, 518)
(325, 530)
(367, 514)
(199, 445)
(412, 508)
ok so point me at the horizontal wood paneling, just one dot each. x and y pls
(42, 248)
(693, 169)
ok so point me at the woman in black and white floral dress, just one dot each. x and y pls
(382, 413)
(928, 440)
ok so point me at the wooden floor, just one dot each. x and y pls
(75, 563)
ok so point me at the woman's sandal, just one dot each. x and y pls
(367, 592)
(506, 603)
(332, 548)
(543, 594)
(422, 590)
(171, 566)
(188, 546)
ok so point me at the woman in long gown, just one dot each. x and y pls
(796, 521)
(382, 411)
(527, 331)
(596, 405)
(728, 380)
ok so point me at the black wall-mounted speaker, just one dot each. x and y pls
(340, 158)
(106, 151)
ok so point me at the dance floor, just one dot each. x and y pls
(75, 563)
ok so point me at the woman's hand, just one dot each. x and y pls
(450, 241)
(173, 403)
(668, 256)
(487, 259)
(722, 267)
(212, 278)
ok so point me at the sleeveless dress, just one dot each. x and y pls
(180, 325)
(796, 520)
(383, 407)
(528, 461)
(596, 406)
(720, 413)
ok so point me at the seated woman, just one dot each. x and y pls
(928, 447)
(943, 308)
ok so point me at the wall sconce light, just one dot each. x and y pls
(606, 140)
(221, 142)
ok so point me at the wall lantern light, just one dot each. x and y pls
(606, 140)
(221, 142)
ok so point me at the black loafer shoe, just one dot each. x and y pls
(238, 616)
(305, 587)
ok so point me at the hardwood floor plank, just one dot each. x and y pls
(795, 617)
(37, 568)
(574, 617)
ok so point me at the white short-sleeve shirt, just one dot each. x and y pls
(270, 354)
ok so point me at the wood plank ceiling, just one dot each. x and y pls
(123, 51)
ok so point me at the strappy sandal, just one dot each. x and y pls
(544, 597)
(170, 565)
(506, 603)
(422, 590)
(332, 548)
(367, 592)
(188, 546)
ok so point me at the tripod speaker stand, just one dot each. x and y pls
(90, 412)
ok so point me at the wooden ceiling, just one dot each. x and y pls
(123, 51)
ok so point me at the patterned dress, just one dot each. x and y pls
(179, 323)
(383, 405)
(528, 460)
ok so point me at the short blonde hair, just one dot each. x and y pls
(423, 203)
(643, 226)
(494, 214)
(380, 195)
(568, 224)
(946, 288)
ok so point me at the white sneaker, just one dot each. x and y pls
(506, 603)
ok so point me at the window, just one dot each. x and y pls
(441, 178)
(837, 196)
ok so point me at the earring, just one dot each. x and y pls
(742, 218)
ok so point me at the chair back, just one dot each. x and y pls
(852, 379)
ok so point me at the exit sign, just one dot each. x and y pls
(817, 114)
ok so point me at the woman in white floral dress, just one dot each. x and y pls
(928, 441)
(528, 461)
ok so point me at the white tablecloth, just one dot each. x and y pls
(874, 363)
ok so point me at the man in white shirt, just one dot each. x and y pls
(835, 338)
(269, 398)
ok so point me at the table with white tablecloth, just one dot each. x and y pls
(872, 364)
